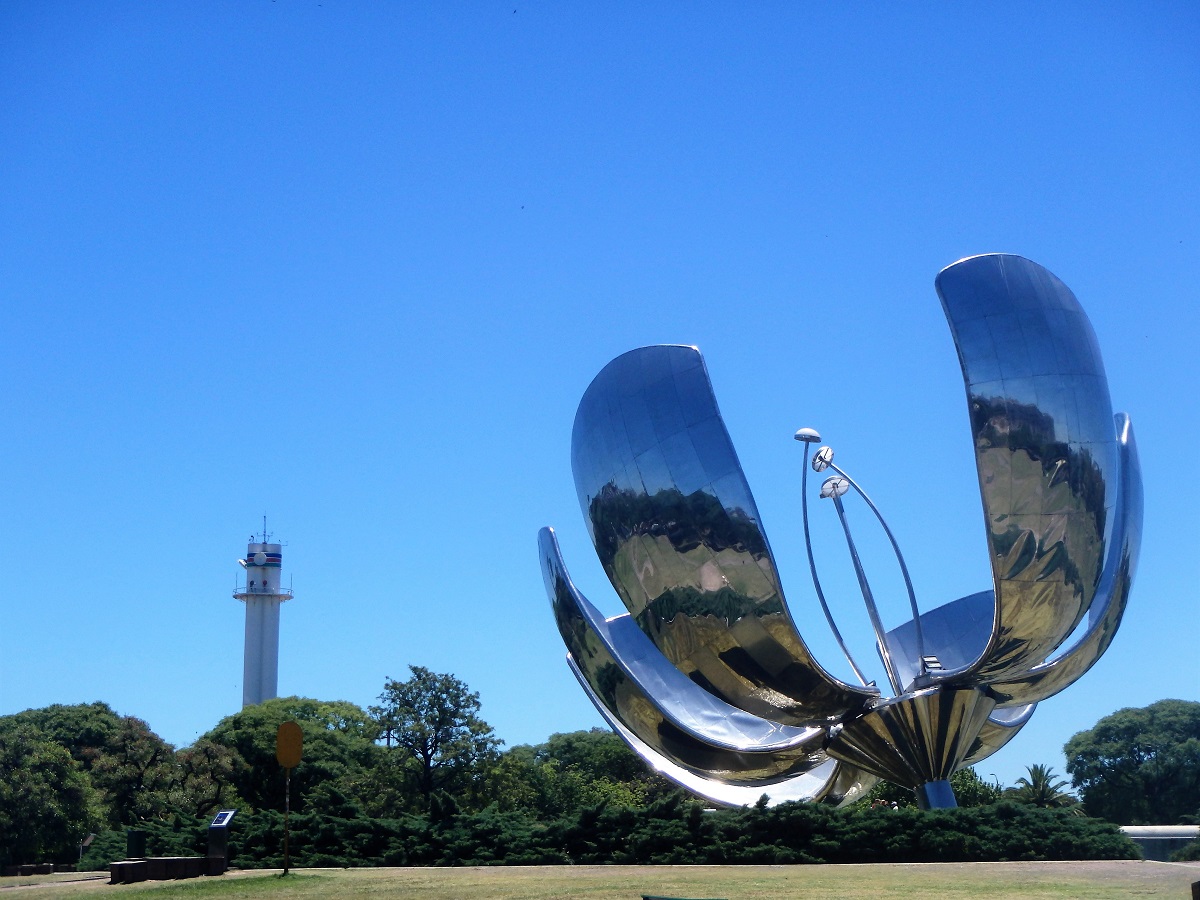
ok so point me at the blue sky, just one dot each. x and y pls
(352, 265)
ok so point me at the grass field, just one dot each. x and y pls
(994, 881)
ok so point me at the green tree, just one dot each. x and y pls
(47, 802)
(599, 753)
(205, 780)
(1041, 788)
(135, 771)
(574, 770)
(339, 747)
(1140, 766)
(970, 790)
(82, 728)
(432, 723)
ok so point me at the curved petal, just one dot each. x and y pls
(956, 633)
(1045, 449)
(1001, 727)
(823, 782)
(643, 713)
(1048, 679)
(682, 702)
(678, 533)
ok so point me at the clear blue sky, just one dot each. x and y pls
(353, 264)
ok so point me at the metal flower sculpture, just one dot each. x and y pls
(706, 676)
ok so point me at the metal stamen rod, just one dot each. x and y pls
(832, 489)
(809, 436)
(912, 597)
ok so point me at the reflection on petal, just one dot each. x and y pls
(681, 539)
(832, 781)
(683, 703)
(1045, 449)
(706, 676)
(1051, 677)
(1001, 727)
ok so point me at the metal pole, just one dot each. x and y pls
(287, 804)
(869, 599)
(912, 597)
(812, 567)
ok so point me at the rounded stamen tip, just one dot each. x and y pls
(808, 435)
(834, 486)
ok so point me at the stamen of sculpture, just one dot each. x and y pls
(707, 677)
(834, 488)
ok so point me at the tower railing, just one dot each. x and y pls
(264, 591)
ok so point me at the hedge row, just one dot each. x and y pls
(670, 832)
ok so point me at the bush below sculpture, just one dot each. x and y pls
(669, 832)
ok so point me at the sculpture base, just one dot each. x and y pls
(935, 795)
(917, 739)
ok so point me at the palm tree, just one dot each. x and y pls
(1042, 789)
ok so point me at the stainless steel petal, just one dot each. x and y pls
(681, 701)
(1045, 449)
(956, 633)
(596, 645)
(1001, 727)
(678, 533)
(1112, 597)
(832, 781)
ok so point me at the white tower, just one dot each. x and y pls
(262, 595)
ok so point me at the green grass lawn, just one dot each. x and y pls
(1116, 879)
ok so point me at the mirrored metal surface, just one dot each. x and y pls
(1045, 449)
(1000, 728)
(704, 736)
(684, 704)
(831, 782)
(955, 634)
(918, 737)
(706, 676)
(680, 537)
(1113, 594)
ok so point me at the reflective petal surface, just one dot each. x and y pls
(684, 703)
(1105, 615)
(706, 676)
(703, 735)
(678, 533)
(1045, 449)
(917, 737)
(832, 782)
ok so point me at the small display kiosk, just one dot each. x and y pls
(218, 842)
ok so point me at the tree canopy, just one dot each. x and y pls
(47, 802)
(421, 778)
(1140, 766)
(1041, 788)
(130, 767)
(432, 721)
(339, 745)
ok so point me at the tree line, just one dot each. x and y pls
(70, 770)
(421, 771)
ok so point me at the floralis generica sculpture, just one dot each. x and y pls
(707, 677)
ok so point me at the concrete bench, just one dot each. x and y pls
(159, 868)
(127, 871)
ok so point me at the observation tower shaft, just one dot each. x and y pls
(262, 595)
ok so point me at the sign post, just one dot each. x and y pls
(289, 746)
